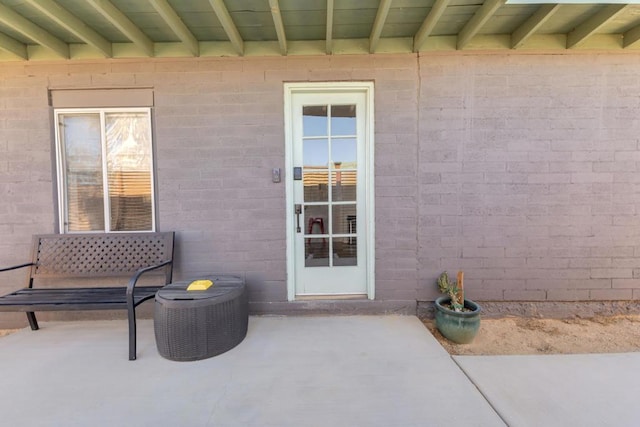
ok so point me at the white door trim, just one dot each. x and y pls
(369, 218)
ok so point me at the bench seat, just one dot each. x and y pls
(90, 260)
(63, 299)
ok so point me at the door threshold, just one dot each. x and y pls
(330, 297)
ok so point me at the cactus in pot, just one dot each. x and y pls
(457, 318)
(455, 290)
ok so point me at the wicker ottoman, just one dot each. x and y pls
(194, 325)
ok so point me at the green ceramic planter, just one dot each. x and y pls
(461, 327)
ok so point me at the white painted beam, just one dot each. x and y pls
(378, 24)
(476, 22)
(176, 24)
(329, 37)
(429, 23)
(13, 46)
(531, 25)
(123, 24)
(593, 24)
(277, 21)
(71, 23)
(30, 30)
(227, 23)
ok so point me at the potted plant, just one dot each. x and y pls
(457, 318)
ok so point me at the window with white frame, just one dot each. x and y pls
(105, 169)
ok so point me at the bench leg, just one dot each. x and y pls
(132, 331)
(32, 320)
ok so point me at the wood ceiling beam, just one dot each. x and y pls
(429, 23)
(531, 25)
(30, 30)
(176, 24)
(277, 21)
(329, 37)
(378, 24)
(631, 37)
(13, 46)
(478, 20)
(227, 23)
(593, 24)
(123, 24)
(75, 26)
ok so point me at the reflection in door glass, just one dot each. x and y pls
(343, 150)
(314, 120)
(345, 251)
(343, 219)
(330, 163)
(316, 219)
(343, 120)
(316, 186)
(343, 186)
(315, 153)
(316, 253)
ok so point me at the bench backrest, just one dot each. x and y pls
(100, 255)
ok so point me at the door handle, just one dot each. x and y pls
(298, 211)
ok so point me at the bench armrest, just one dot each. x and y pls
(134, 279)
(15, 267)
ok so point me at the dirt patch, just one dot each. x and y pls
(4, 332)
(513, 335)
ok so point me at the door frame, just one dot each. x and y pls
(368, 220)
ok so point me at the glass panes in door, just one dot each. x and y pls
(330, 166)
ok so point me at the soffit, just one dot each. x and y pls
(33, 30)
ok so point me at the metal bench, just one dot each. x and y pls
(72, 259)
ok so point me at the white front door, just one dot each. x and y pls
(329, 147)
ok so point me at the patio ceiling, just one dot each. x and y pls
(83, 29)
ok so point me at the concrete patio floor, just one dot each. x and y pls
(289, 371)
(560, 390)
(303, 371)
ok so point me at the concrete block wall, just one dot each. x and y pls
(218, 132)
(26, 164)
(521, 169)
(396, 188)
(528, 175)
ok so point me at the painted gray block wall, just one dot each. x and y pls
(528, 176)
(25, 173)
(520, 168)
(218, 132)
